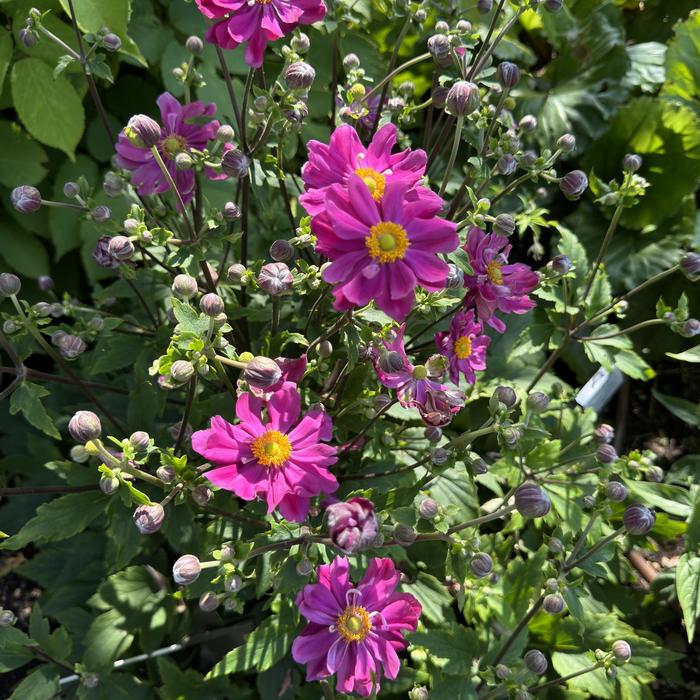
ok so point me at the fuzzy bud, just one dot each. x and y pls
(351, 62)
(638, 519)
(262, 373)
(299, 76)
(28, 37)
(528, 123)
(419, 693)
(201, 495)
(181, 371)
(101, 214)
(9, 284)
(108, 484)
(508, 74)
(184, 286)
(504, 225)
(325, 348)
(211, 305)
(506, 164)
(439, 48)
(71, 346)
(604, 433)
(481, 565)
(300, 43)
(231, 211)
(235, 273)
(26, 199)
(194, 45)
(235, 163)
(537, 401)
(208, 602)
(143, 131)
(536, 662)
(455, 277)
(45, 283)
(275, 278)
(404, 535)
(561, 264)
(574, 184)
(531, 501)
(281, 251)
(553, 604)
(7, 618)
(566, 143)
(439, 456)
(352, 525)
(121, 248)
(84, 426)
(505, 395)
(101, 253)
(622, 651)
(463, 98)
(186, 570)
(166, 474)
(615, 491)
(140, 440)
(690, 328)
(606, 454)
(148, 519)
(631, 163)
(428, 508)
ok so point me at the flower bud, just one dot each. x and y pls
(561, 264)
(304, 567)
(235, 163)
(455, 277)
(537, 401)
(508, 74)
(71, 189)
(352, 525)
(186, 570)
(622, 651)
(7, 618)
(655, 474)
(9, 284)
(512, 435)
(148, 519)
(108, 484)
(194, 45)
(506, 395)
(101, 214)
(528, 159)
(143, 131)
(536, 662)
(604, 433)
(351, 62)
(184, 161)
(573, 184)
(631, 163)
(166, 474)
(262, 373)
(615, 491)
(201, 495)
(184, 286)
(606, 454)
(506, 164)
(281, 251)
(553, 604)
(463, 98)
(553, 5)
(428, 508)
(233, 584)
(504, 225)
(275, 278)
(84, 426)
(209, 601)
(140, 440)
(531, 501)
(235, 273)
(439, 48)
(121, 248)
(638, 519)
(528, 123)
(419, 693)
(211, 304)
(432, 433)
(484, 6)
(404, 535)
(28, 37)
(181, 371)
(439, 456)
(690, 266)
(231, 211)
(439, 96)
(690, 328)
(566, 143)
(45, 283)
(300, 43)
(79, 454)
(26, 199)
(111, 42)
(325, 348)
(481, 564)
(299, 76)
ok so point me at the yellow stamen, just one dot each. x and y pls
(419, 372)
(493, 272)
(353, 624)
(375, 182)
(172, 145)
(387, 242)
(463, 347)
(272, 449)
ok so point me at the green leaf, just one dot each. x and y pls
(683, 61)
(688, 589)
(692, 539)
(33, 88)
(686, 410)
(647, 66)
(593, 682)
(59, 519)
(190, 319)
(672, 499)
(692, 355)
(452, 649)
(106, 641)
(41, 684)
(190, 684)
(23, 252)
(6, 49)
(115, 351)
(27, 399)
(21, 158)
(432, 596)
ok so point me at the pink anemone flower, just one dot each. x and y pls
(464, 346)
(354, 632)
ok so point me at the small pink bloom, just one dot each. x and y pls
(439, 406)
(352, 524)
(257, 22)
(354, 632)
(464, 346)
(382, 251)
(345, 155)
(184, 127)
(282, 460)
(495, 284)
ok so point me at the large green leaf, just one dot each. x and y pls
(23, 252)
(647, 66)
(6, 48)
(683, 61)
(27, 399)
(34, 86)
(21, 159)
(687, 411)
(688, 589)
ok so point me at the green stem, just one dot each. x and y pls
(606, 540)
(482, 519)
(453, 155)
(226, 379)
(173, 188)
(186, 413)
(563, 679)
(396, 71)
(489, 34)
(624, 331)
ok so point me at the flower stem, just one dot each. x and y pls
(453, 155)
(482, 519)
(489, 34)
(229, 88)
(624, 331)
(577, 562)
(563, 679)
(396, 71)
(186, 414)
(35, 490)
(173, 188)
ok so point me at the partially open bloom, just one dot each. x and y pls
(257, 22)
(413, 384)
(335, 162)
(381, 251)
(496, 285)
(352, 524)
(282, 460)
(464, 346)
(184, 127)
(354, 632)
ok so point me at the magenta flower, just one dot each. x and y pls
(382, 251)
(496, 285)
(352, 524)
(354, 632)
(281, 460)
(414, 385)
(439, 407)
(257, 22)
(335, 162)
(464, 346)
(184, 128)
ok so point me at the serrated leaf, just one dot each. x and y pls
(21, 159)
(27, 400)
(688, 589)
(41, 684)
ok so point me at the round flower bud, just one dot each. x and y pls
(439, 48)
(439, 456)
(351, 62)
(231, 211)
(304, 567)
(536, 662)
(655, 474)
(225, 134)
(529, 158)
(299, 76)
(79, 454)
(148, 519)
(233, 584)
(439, 96)
(194, 45)
(690, 266)
(455, 277)
(690, 328)
(84, 426)
(463, 98)
(101, 214)
(561, 264)
(428, 508)
(554, 5)
(7, 618)
(300, 43)
(211, 304)
(45, 283)
(506, 395)
(325, 348)
(184, 161)
(432, 433)
(235, 273)
(352, 525)
(380, 402)
(235, 163)
(26, 199)
(504, 225)
(573, 184)
(606, 454)
(537, 401)
(566, 143)
(484, 6)
(201, 495)
(512, 435)
(553, 604)
(166, 474)
(262, 373)
(186, 570)
(638, 519)
(108, 484)
(604, 433)
(181, 371)
(631, 163)
(71, 346)
(208, 602)
(615, 491)
(442, 27)
(404, 535)
(143, 131)
(531, 501)
(140, 440)
(275, 278)
(121, 248)
(396, 105)
(419, 693)
(28, 37)
(528, 123)
(281, 251)
(111, 42)
(622, 651)
(508, 74)
(184, 286)
(71, 189)
(506, 164)
(481, 565)
(9, 284)
(502, 672)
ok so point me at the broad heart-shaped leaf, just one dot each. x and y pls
(59, 519)
(33, 88)
(92, 15)
(22, 251)
(688, 589)
(106, 640)
(27, 399)
(683, 61)
(21, 158)
(667, 136)
(453, 648)
(593, 682)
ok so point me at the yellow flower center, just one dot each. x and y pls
(272, 449)
(387, 242)
(493, 272)
(463, 347)
(375, 182)
(354, 624)
(420, 372)
(263, 2)
(172, 145)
